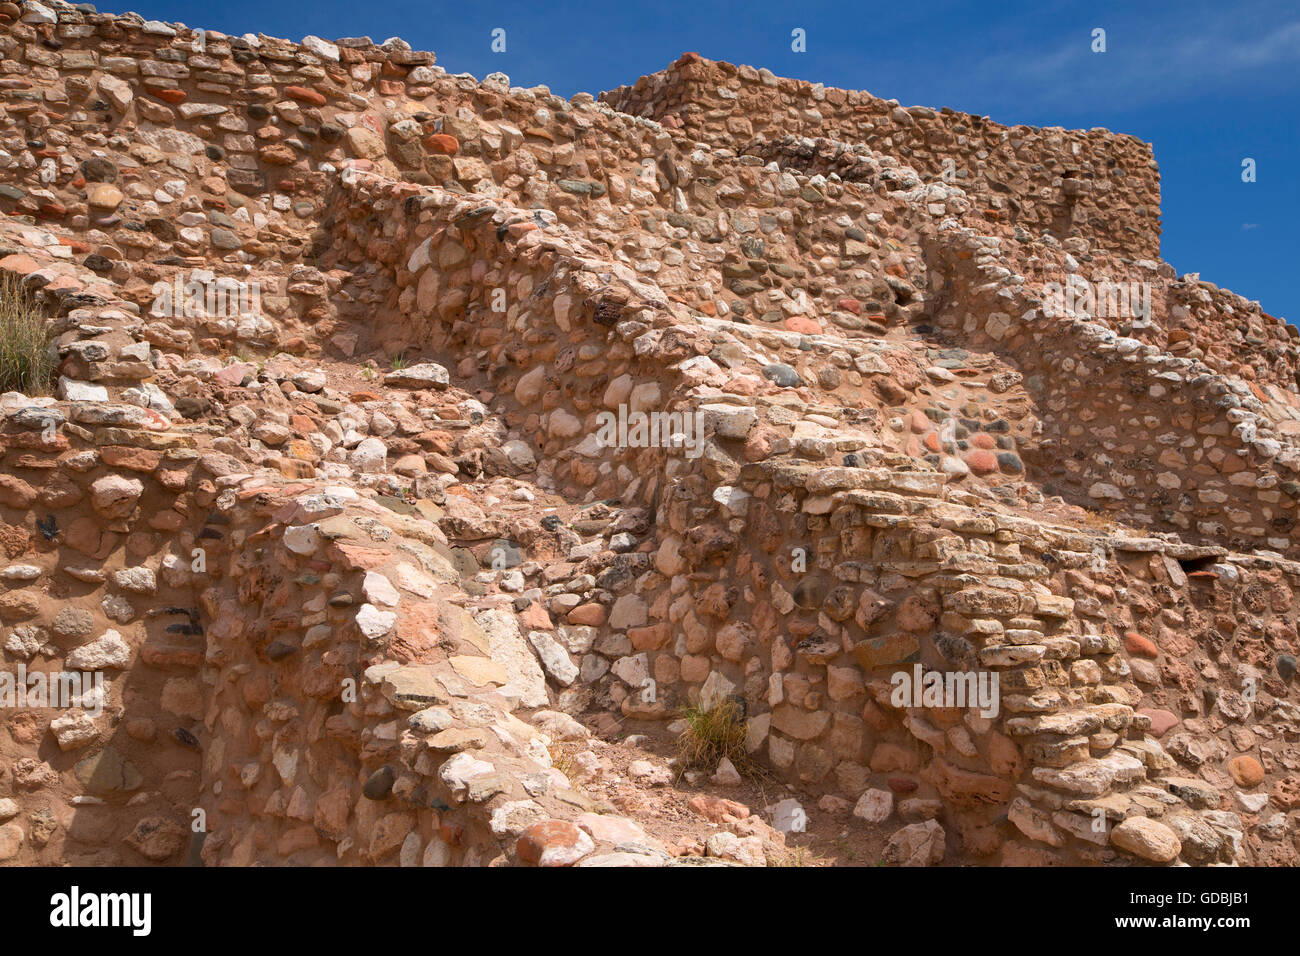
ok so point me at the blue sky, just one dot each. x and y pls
(1208, 84)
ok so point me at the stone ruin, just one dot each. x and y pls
(347, 503)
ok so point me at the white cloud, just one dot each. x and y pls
(1146, 62)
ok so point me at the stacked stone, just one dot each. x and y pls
(1234, 337)
(707, 668)
(1089, 183)
(344, 597)
(265, 539)
(1204, 456)
(120, 482)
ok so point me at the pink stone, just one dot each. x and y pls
(553, 843)
(534, 617)
(982, 461)
(605, 828)
(234, 373)
(1135, 643)
(592, 615)
(1161, 721)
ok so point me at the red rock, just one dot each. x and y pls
(1004, 756)
(742, 385)
(170, 96)
(983, 440)
(517, 229)
(717, 809)
(304, 95)
(961, 786)
(649, 638)
(277, 154)
(850, 305)
(234, 373)
(1246, 770)
(803, 325)
(442, 143)
(356, 556)
(330, 815)
(172, 479)
(1162, 721)
(136, 459)
(901, 784)
(982, 461)
(553, 843)
(695, 668)
(16, 493)
(38, 440)
(19, 264)
(1135, 643)
(64, 284)
(535, 618)
(592, 615)
(170, 658)
(451, 833)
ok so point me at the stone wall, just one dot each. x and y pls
(417, 562)
(293, 674)
(1160, 439)
(1093, 184)
(895, 572)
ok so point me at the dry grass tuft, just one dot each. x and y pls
(713, 734)
(26, 362)
(562, 757)
(797, 856)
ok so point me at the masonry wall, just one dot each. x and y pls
(863, 502)
(893, 573)
(1159, 439)
(1094, 183)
